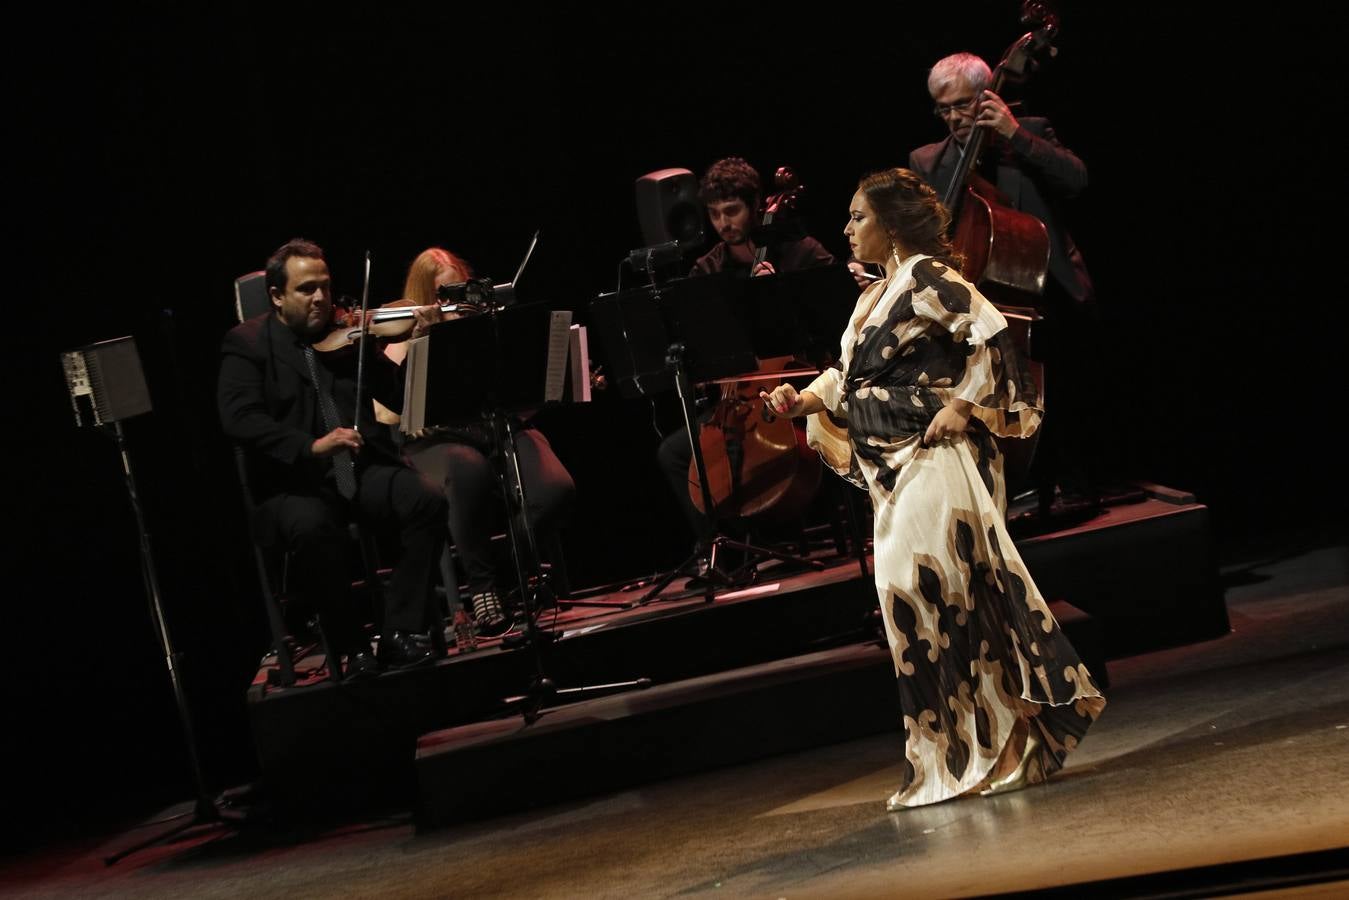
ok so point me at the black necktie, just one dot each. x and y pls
(343, 466)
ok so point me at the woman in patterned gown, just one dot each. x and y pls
(992, 694)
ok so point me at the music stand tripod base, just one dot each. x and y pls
(467, 377)
(714, 578)
(713, 541)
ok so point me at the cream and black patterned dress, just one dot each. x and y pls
(976, 650)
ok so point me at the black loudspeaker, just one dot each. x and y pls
(668, 208)
(106, 382)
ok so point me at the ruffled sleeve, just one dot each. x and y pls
(996, 379)
(828, 386)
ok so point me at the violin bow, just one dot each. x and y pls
(361, 351)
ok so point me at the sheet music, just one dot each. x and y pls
(580, 365)
(414, 386)
(559, 331)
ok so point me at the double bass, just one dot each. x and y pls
(1005, 250)
(757, 463)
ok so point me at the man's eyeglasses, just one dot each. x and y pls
(942, 110)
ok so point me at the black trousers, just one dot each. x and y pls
(674, 456)
(466, 472)
(313, 527)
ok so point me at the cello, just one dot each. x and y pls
(1006, 251)
(757, 463)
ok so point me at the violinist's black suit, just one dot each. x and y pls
(268, 404)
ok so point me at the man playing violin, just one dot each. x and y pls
(291, 408)
(730, 192)
(1038, 175)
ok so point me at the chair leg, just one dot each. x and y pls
(370, 560)
(449, 577)
(561, 581)
(435, 621)
(859, 540)
(840, 519)
(275, 621)
(334, 659)
(373, 586)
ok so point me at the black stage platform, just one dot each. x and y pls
(795, 659)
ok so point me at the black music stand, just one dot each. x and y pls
(804, 313)
(658, 337)
(106, 386)
(490, 368)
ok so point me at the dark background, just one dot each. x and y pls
(154, 159)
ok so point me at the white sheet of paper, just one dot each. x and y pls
(559, 329)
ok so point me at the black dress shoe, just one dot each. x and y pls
(362, 666)
(400, 650)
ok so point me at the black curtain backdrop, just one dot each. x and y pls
(155, 158)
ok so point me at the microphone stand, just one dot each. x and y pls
(205, 811)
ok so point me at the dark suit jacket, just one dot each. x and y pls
(268, 404)
(1037, 173)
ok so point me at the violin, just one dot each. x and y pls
(393, 321)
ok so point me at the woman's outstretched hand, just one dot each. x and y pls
(784, 401)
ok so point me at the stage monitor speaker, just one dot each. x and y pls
(106, 382)
(668, 208)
